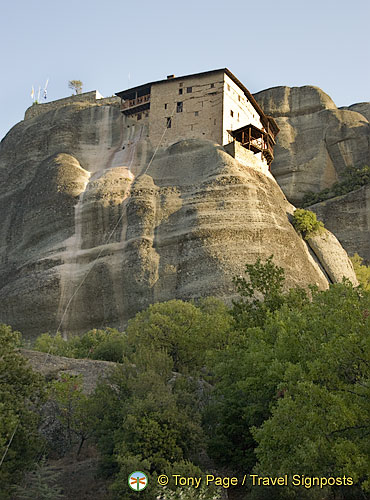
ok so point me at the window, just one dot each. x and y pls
(169, 122)
(212, 85)
(165, 106)
(180, 91)
(231, 112)
(238, 97)
(181, 84)
(191, 127)
(196, 113)
(179, 107)
(139, 116)
(214, 121)
(189, 90)
(228, 87)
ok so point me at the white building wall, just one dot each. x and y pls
(238, 111)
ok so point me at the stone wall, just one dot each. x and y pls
(201, 115)
(247, 158)
(93, 96)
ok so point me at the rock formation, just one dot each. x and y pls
(94, 228)
(316, 143)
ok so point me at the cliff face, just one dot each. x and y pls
(92, 231)
(316, 143)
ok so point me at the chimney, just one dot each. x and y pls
(170, 76)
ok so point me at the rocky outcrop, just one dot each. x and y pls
(94, 228)
(52, 367)
(317, 141)
(348, 217)
(332, 256)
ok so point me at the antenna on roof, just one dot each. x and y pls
(45, 89)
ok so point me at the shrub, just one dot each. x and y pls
(306, 223)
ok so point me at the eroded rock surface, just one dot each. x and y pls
(332, 257)
(92, 230)
(52, 367)
(317, 141)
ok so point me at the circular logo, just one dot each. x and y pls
(138, 480)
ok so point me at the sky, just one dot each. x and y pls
(111, 45)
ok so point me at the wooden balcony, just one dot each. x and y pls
(256, 140)
(136, 105)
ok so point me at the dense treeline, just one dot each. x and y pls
(278, 384)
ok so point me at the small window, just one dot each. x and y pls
(180, 91)
(228, 87)
(238, 97)
(181, 84)
(169, 122)
(191, 127)
(212, 85)
(179, 107)
(165, 106)
(214, 121)
(146, 114)
(231, 112)
(189, 90)
(196, 113)
(139, 116)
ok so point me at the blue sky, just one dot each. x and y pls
(113, 44)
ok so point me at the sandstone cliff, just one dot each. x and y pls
(92, 232)
(316, 143)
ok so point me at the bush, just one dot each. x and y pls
(306, 223)
(107, 344)
(362, 271)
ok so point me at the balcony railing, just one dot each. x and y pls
(130, 103)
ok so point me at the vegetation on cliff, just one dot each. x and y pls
(353, 178)
(306, 223)
(278, 384)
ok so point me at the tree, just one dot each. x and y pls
(72, 408)
(22, 392)
(40, 484)
(76, 86)
(262, 292)
(319, 422)
(292, 395)
(181, 329)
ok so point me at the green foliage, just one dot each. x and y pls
(263, 292)
(353, 178)
(72, 408)
(298, 387)
(40, 484)
(21, 395)
(107, 344)
(182, 330)
(306, 223)
(362, 271)
(148, 415)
